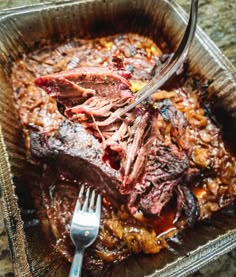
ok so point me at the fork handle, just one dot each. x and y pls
(76, 266)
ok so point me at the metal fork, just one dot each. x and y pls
(172, 66)
(84, 227)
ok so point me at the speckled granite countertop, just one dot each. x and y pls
(218, 19)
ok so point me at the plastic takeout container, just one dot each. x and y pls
(20, 28)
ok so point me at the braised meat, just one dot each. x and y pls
(161, 167)
(147, 170)
(74, 86)
(77, 152)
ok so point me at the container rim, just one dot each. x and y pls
(200, 34)
(182, 266)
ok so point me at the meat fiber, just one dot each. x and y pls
(74, 86)
(162, 173)
(156, 171)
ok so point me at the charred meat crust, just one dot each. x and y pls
(187, 202)
(78, 152)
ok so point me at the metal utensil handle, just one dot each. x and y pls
(173, 65)
(75, 270)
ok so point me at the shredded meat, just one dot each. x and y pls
(150, 170)
(73, 86)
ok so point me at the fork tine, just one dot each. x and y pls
(84, 228)
(91, 205)
(78, 202)
(85, 206)
(81, 192)
(98, 206)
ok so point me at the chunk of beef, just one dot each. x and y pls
(75, 86)
(155, 184)
(152, 169)
(79, 153)
(143, 168)
(187, 201)
(91, 96)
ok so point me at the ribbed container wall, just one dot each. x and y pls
(19, 32)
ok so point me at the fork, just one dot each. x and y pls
(84, 227)
(172, 66)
